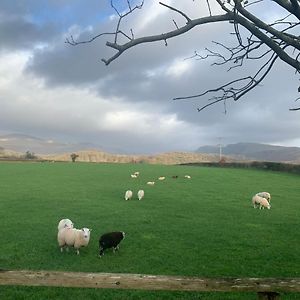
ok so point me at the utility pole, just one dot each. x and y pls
(220, 148)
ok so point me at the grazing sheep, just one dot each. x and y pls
(128, 195)
(260, 202)
(110, 240)
(65, 223)
(175, 176)
(265, 195)
(187, 176)
(150, 182)
(136, 173)
(264, 204)
(73, 237)
(256, 200)
(161, 178)
(140, 194)
(133, 176)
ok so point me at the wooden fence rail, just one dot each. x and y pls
(267, 288)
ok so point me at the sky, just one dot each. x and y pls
(52, 90)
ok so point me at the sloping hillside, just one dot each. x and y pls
(254, 151)
(22, 143)
(163, 158)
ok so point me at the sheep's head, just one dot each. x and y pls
(86, 232)
(69, 225)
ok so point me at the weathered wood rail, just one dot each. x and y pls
(267, 288)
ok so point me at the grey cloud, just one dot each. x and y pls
(18, 33)
(23, 24)
(261, 116)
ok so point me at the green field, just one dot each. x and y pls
(204, 226)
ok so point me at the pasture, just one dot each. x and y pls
(204, 226)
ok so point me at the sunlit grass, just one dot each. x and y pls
(204, 227)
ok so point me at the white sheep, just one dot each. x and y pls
(150, 182)
(256, 200)
(265, 195)
(261, 202)
(161, 178)
(264, 203)
(73, 237)
(140, 194)
(136, 173)
(187, 176)
(128, 195)
(133, 176)
(65, 223)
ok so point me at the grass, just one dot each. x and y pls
(200, 227)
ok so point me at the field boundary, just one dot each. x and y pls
(262, 286)
(255, 165)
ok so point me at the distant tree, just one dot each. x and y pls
(74, 156)
(29, 155)
(256, 40)
(222, 161)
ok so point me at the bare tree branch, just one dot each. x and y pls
(230, 91)
(178, 11)
(255, 40)
(208, 5)
(164, 36)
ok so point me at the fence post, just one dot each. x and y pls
(268, 296)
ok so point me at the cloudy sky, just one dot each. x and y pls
(52, 90)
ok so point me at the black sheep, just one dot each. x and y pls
(110, 240)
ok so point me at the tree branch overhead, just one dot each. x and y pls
(259, 40)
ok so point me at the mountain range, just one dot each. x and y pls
(255, 151)
(20, 143)
(16, 145)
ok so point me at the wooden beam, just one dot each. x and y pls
(147, 282)
(268, 296)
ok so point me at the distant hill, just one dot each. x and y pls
(16, 145)
(22, 143)
(169, 158)
(255, 151)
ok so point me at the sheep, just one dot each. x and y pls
(260, 201)
(256, 200)
(110, 240)
(65, 223)
(136, 173)
(140, 194)
(265, 195)
(161, 178)
(187, 176)
(128, 195)
(133, 176)
(264, 204)
(175, 176)
(150, 182)
(73, 237)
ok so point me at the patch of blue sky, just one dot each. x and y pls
(67, 13)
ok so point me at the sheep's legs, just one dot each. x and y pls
(101, 252)
(115, 248)
(62, 248)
